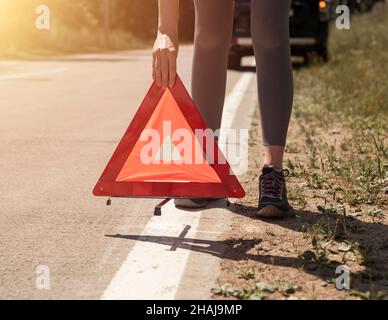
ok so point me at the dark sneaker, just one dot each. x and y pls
(191, 203)
(273, 194)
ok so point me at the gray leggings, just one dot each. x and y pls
(270, 35)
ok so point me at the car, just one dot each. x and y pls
(360, 5)
(309, 30)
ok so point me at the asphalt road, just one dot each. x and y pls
(60, 122)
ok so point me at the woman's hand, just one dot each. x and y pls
(165, 54)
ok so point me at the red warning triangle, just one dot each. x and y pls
(161, 155)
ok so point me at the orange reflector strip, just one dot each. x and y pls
(166, 164)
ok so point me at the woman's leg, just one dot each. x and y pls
(270, 35)
(213, 32)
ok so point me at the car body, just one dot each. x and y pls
(360, 5)
(309, 29)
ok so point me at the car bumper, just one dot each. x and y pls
(247, 42)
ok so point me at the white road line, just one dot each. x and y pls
(231, 106)
(234, 99)
(151, 270)
(31, 74)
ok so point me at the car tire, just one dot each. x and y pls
(324, 37)
(234, 61)
(324, 54)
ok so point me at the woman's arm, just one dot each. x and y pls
(166, 44)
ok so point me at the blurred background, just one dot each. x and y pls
(96, 25)
(83, 25)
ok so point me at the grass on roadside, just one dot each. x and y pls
(342, 111)
(337, 155)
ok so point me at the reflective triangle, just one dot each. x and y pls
(163, 168)
(167, 152)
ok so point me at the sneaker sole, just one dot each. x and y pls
(270, 211)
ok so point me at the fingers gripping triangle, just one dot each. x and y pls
(160, 154)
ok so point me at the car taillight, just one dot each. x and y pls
(322, 4)
(324, 10)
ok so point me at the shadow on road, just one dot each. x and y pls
(375, 252)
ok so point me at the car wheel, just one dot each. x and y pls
(324, 36)
(324, 55)
(306, 59)
(234, 61)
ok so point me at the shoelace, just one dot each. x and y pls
(271, 183)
